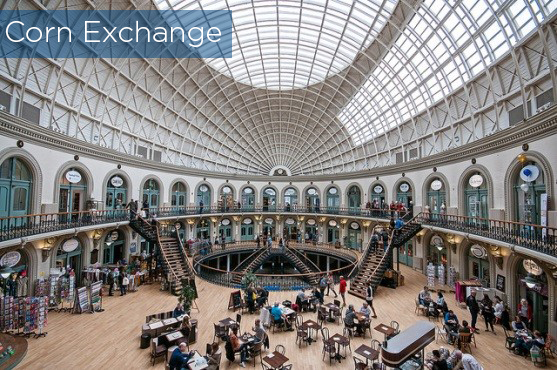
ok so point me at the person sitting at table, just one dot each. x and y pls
(178, 311)
(260, 333)
(180, 357)
(238, 346)
(505, 318)
(440, 302)
(451, 326)
(450, 318)
(317, 296)
(437, 362)
(365, 310)
(279, 316)
(350, 320)
(466, 361)
(262, 296)
(523, 344)
(517, 324)
(302, 301)
(213, 358)
(424, 297)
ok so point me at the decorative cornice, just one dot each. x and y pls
(541, 125)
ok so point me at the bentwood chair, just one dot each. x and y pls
(280, 349)
(220, 332)
(255, 351)
(301, 335)
(359, 364)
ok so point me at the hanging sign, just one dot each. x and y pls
(529, 173)
(114, 235)
(10, 259)
(117, 181)
(332, 223)
(290, 221)
(378, 189)
(247, 221)
(312, 191)
(311, 221)
(476, 181)
(437, 241)
(248, 190)
(225, 222)
(532, 267)
(226, 190)
(269, 220)
(355, 225)
(73, 176)
(478, 251)
(203, 188)
(404, 187)
(436, 185)
(70, 245)
(333, 191)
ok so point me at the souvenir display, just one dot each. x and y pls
(431, 275)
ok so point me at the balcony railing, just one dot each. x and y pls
(539, 238)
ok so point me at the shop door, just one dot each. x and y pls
(353, 239)
(405, 254)
(248, 202)
(268, 230)
(539, 309)
(14, 201)
(479, 268)
(332, 204)
(290, 232)
(332, 235)
(227, 232)
(311, 231)
(246, 232)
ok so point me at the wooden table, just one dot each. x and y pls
(247, 338)
(275, 359)
(197, 362)
(340, 340)
(332, 308)
(19, 344)
(385, 329)
(367, 352)
(174, 336)
(310, 325)
(228, 322)
(407, 343)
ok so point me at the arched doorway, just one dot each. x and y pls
(333, 200)
(179, 195)
(204, 198)
(404, 194)
(476, 196)
(69, 254)
(290, 230)
(116, 193)
(354, 236)
(151, 192)
(354, 199)
(225, 230)
(478, 265)
(73, 192)
(333, 232)
(15, 189)
(113, 247)
(532, 285)
(436, 196)
(203, 229)
(290, 199)
(377, 196)
(18, 261)
(269, 227)
(529, 193)
(437, 253)
(312, 200)
(226, 199)
(248, 199)
(269, 200)
(246, 230)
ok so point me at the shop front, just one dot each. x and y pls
(404, 194)
(269, 227)
(312, 200)
(290, 231)
(436, 196)
(533, 286)
(116, 193)
(203, 198)
(151, 193)
(311, 230)
(476, 197)
(69, 256)
(225, 230)
(290, 199)
(406, 254)
(354, 196)
(377, 196)
(14, 269)
(73, 193)
(530, 194)
(354, 236)
(478, 266)
(248, 199)
(179, 195)
(226, 199)
(333, 232)
(15, 189)
(437, 253)
(203, 229)
(114, 247)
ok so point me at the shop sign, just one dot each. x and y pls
(225, 222)
(436, 185)
(333, 190)
(478, 251)
(248, 190)
(500, 285)
(73, 176)
(378, 189)
(310, 221)
(530, 173)
(226, 190)
(532, 267)
(312, 191)
(290, 221)
(270, 191)
(269, 220)
(355, 225)
(10, 259)
(203, 188)
(404, 187)
(117, 181)
(247, 221)
(437, 241)
(70, 245)
(332, 223)
(114, 235)
(476, 181)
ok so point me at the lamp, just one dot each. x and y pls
(530, 281)
(6, 272)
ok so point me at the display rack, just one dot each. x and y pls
(24, 315)
(452, 278)
(96, 298)
(431, 275)
(441, 275)
(82, 301)
(53, 291)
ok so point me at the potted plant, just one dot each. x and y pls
(186, 298)
(249, 279)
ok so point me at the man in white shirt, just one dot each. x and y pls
(466, 361)
(365, 310)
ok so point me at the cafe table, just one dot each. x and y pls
(332, 308)
(385, 329)
(367, 352)
(197, 362)
(174, 336)
(339, 340)
(275, 360)
(310, 325)
(228, 322)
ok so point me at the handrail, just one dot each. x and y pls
(162, 249)
(297, 252)
(191, 271)
(260, 250)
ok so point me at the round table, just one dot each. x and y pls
(19, 344)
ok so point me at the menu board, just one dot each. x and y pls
(82, 300)
(96, 295)
(500, 283)
(235, 300)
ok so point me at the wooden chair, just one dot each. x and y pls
(220, 332)
(238, 322)
(465, 341)
(287, 367)
(396, 326)
(509, 340)
(419, 308)
(301, 335)
(322, 315)
(376, 345)
(547, 348)
(255, 351)
(359, 364)
(337, 315)
(278, 326)
(328, 348)
(280, 349)
(157, 350)
(441, 332)
(367, 326)
(265, 367)
(336, 302)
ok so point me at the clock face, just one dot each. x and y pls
(280, 171)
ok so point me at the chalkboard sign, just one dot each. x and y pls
(96, 295)
(235, 300)
(82, 300)
(500, 283)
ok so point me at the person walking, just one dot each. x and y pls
(342, 290)
(369, 299)
(474, 308)
(323, 285)
(331, 284)
(110, 282)
(132, 206)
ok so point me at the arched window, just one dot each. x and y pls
(178, 197)
(436, 196)
(354, 237)
(225, 230)
(203, 229)
(15, 188)
(248, 199)
(246, 231)
(377, 196)
(269, 199)
(290, 199)
(114, 246)
(204, 196)
(69, 255)
(226, 201)
(312, 200)
(151, 193)
(475, 196)
(333, 200)
(529, 189)
(354, 198)
(404, 194)
(116, 193)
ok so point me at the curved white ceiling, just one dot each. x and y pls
(286, 44)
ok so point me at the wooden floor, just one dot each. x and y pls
(110, 340)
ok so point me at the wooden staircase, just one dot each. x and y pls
(376, 260)
(170, 252)
(251, 263)
(302, 267)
